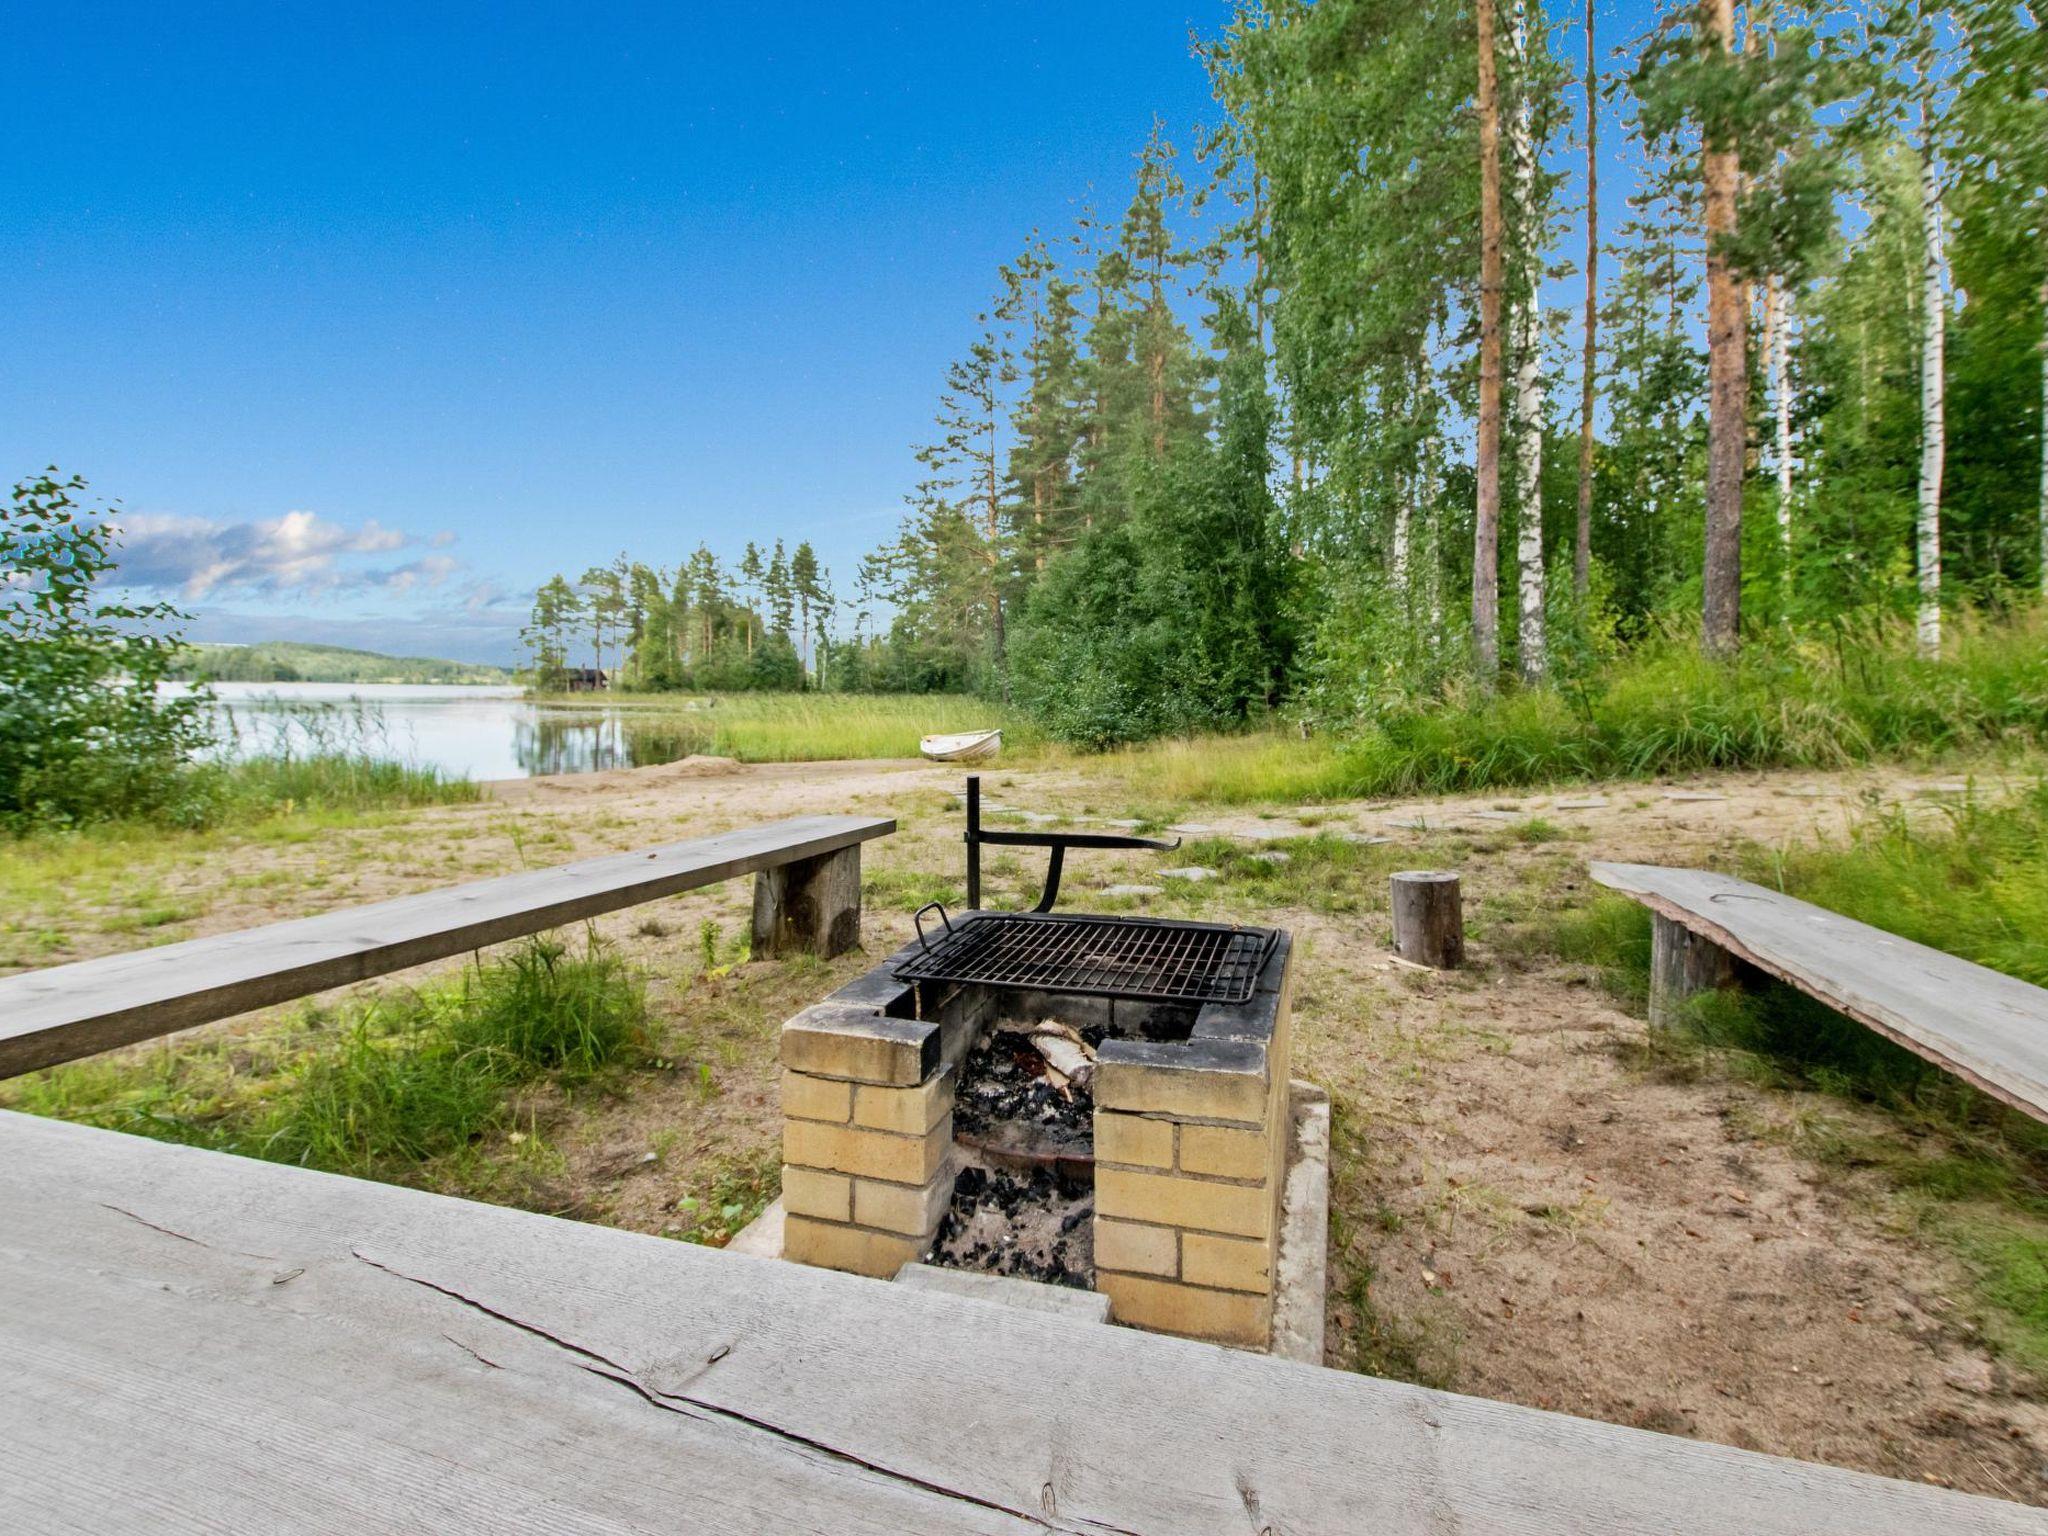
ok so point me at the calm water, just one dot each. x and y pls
(480, 732)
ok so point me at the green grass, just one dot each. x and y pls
(813, 727)
(1660, 710)
(1971, 1172)
(331, 781)
(406, 1078)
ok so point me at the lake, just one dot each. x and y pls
(464, 730)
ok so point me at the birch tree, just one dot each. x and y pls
(1529, 408)
(1486, 516)
(1933, 361)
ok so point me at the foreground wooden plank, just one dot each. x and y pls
(1988, 1028)
(68, 1011)
(198, 1340)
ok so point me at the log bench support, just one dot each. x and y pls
(1683, 964)
(809, 905)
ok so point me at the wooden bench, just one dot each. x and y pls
(806, 896)
(1987, 1028)
(196, 1341)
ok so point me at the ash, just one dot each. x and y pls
(1003, 1093)
(1026, 1224)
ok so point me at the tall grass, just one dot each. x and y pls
(1662, 709)
(405, 1078)
(1975, 884)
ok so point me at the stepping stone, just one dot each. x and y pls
(1272, 856)
(1951, 787)
(1417, 824)
(1499, 815)
(1133, 890)
(1189, 872)
(1362, 839)
(1692, 796)
(1037, 818)
(1195, 829)
(1596, 803)
(1809, 792)
(1119, 821)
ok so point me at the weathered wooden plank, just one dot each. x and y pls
(200, 1341)
(66, 1011)
(1988, 1028)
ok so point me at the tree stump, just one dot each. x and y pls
(1429, 918)
(1683, 965)
(808, 906)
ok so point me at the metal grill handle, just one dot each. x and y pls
(917, 917)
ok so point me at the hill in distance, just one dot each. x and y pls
(292, 661)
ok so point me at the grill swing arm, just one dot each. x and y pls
(1057, 842)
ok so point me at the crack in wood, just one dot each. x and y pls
(611, 1370)
(186, 1237)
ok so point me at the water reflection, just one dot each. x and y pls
(551, 741)
(466, 732)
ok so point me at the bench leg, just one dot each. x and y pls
(1683, 965)
(811, 905)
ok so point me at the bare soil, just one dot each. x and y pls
(1526, 1205)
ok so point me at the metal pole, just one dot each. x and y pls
(974, 842)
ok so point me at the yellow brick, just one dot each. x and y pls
(1225, 1317)
(1244, 1210)
(1224, 1153)
(906, 1111)
(845, 1040)
(807, 1192)
(856, 1249)
(1126, 1245)
(1228, 1263)
(1133, 1139)
(1233, 1087)
(816, 1098)
(907, 1208)
(871, 1154)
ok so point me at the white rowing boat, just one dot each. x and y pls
(961, 746)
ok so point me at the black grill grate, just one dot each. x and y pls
(1144, 959)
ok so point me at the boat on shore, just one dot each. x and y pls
(961, 746)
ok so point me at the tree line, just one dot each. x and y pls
(764, 623)
(1297, 425)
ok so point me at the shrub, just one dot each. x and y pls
(85, 734)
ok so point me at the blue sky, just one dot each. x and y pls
(373, 316)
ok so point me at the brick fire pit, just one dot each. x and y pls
(1188, 1154)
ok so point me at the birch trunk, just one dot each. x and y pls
(1432, 500)
(1933, 425)
(1404, 513)
(1727, 385)
(1582, 542)
(1486, 517)
(1528, 369)
(2044, 438)
(1777, 359)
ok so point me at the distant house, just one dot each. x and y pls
(585, 679)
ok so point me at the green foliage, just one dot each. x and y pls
(85, 733)
(1174, 619)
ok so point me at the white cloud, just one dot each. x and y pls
(298, 553)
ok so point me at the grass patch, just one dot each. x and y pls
(405, 1078)
(811, 727)
(1661, 710)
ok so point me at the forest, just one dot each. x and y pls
(1356, 408)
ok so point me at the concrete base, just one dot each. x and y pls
(1007, 1291)
(761, 1237)
(1301, 1271)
